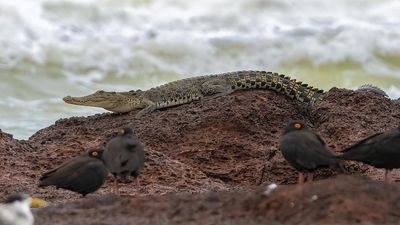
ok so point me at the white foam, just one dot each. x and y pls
(393, 92)
(84, 80)
(107, 38)
(73, 47)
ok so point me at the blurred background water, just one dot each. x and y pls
(50, 49)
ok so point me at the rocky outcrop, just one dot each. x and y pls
(226, 144)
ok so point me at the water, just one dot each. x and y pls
(50, 49)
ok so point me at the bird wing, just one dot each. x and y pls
(112, 155)
(318, 138)
(66, 171)
(311, 152)
(373, 146)
(314, 155)
(136, 162)
(370, 140)
(68, 164)
(91, 176)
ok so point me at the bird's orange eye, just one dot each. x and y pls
(94, 154)
(297, 125)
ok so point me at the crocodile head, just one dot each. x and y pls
(119, 102)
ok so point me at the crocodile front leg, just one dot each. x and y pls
(150, 107)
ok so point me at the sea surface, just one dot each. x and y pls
(53, 48)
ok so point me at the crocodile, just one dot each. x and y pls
(195, 88)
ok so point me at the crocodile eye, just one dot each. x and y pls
(100, 92)
(94, 153)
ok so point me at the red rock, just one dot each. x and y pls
(226, 144)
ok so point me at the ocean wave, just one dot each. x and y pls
(53, 48)
(181, 36)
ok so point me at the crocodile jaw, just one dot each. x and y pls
(112, 101)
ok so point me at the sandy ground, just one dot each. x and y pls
(209, 162)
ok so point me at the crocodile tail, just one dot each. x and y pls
(277, 82)
(303, 92)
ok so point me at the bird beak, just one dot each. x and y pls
(38, 203)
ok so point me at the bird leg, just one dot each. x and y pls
(115, 187)
(388, 175)
(309, 177)
(301, 178)
(137, 180)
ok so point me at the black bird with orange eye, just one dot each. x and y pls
(83, 174)
(381, 150)
(124, 155)
(305, 150)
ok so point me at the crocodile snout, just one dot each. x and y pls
(67, 98)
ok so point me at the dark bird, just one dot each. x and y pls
(305, 150)
(83, 174)
(124, 154)
(381, 150)
(16, 211)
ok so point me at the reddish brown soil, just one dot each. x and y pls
(342, 200)
(208, 163)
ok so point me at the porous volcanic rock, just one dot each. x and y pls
(340, 200)
(227, 145)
